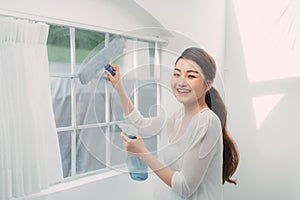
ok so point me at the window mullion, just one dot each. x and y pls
(73, 102)
(107, 117)
(135, 63)
(157, 62)
(157, 75)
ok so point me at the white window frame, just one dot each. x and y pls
(74, 127)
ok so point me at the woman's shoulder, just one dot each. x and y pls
(206, 121)
(209, 117)
(208, 132)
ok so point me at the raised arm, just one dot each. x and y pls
(117, 83)
(146, 126)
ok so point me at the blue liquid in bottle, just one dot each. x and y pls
(138, 170)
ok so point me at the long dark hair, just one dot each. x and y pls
(216, 104)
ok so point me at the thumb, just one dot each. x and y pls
(138, 137)
(124, 137)
(108, 75)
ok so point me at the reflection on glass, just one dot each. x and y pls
(147, 104)
(116, 113)
(137, 61)
(61, 99)
(90, 102)
(86, 42)
(118, 154)
(64, 139)
(90, 150)
(58, 45)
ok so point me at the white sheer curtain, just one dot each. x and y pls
(29, 150)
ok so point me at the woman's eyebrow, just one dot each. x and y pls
(192, 71)
(188, 71)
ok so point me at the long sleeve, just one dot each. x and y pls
(147, 127)
(198, 159)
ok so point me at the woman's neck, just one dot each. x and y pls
(192, 109)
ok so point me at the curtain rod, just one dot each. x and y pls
(60, 22)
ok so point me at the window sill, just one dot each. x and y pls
(75, 182)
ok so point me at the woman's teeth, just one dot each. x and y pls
(183, 90)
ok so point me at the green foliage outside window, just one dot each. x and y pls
(59, 43)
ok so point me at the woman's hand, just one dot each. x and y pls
(134, 147)
(116, 79)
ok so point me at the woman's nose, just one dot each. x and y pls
(182, 81)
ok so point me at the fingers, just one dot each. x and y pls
(108, 75)
(116, 78)
(126, 141)
(135, 147)
(124, 137)
(115, 67)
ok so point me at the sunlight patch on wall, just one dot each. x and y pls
(263, 105)
(270, 36)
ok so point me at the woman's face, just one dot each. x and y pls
(188, 82)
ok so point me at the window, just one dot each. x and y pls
(86, 116)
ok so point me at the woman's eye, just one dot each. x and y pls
(191, 76)
(176, 75)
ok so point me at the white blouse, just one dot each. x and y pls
(196, 156)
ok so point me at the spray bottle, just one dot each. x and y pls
(138, 170)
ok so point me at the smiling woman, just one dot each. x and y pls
(196, 153)
(188, 82)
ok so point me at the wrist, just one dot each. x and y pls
(119, 87)
(144, 155)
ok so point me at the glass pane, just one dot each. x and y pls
(147, 97)
(90, 150)
(61, 99)
(143, 60)
(87, 43)
(118, 154)
(147, 104)
(64, 139)
(152, 59)
(126, 61)
(58, 45)
(90, 102)
(116, 112)
(137, 60)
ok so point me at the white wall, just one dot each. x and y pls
(268, 142)
(203, 22)
(192, 23)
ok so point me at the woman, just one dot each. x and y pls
(195, 160)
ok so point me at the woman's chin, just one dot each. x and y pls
(184, 100)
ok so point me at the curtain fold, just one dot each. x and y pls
(29, 151)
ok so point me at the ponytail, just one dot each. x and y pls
(230, 152)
